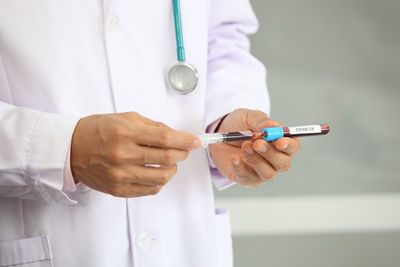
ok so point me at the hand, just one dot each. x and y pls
(250, 163)
(111, 153)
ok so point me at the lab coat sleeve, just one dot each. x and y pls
(235, 79)
(33, 149)
(68, 180)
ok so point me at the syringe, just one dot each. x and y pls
(268, 134)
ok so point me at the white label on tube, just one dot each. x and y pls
(309, 129)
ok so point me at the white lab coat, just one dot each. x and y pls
(62, 60)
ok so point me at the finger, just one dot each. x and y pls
(242, 173)
(258, 120)
(288, 145)
(160, 156)
(136, 117)
(130, 153)
(279, 160)
(145, 175)
(262, 167)
(219, 154)
(166, 138)
(134, 190)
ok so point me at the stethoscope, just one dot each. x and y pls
(182, 76)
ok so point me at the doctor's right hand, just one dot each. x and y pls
(111, 153)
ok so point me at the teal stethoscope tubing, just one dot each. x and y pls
(182, 76)
(178, 31)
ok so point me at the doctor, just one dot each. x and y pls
(98, 164)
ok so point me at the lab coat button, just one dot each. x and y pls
(113, 23)
(144, 240)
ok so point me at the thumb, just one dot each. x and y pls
(258, 120)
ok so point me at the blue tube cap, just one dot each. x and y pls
(272, 133)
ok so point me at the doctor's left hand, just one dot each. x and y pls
(251, 163)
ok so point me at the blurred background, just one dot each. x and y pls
(335, 62)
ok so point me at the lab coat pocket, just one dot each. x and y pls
(29, 252)
(223, 238)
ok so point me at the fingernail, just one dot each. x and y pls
(249, 150)
(268, 179)
(284, 146)
(236, 162)
(196, 143)
(261, 148)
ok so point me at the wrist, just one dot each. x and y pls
(77, 144)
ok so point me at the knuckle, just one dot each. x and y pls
(168, 158)
(189, 143)
(164, 177)
(162, 180)
(116, 156)
(118, 132)
(131, 115)
(165, 137)
(115, 175)
(159, 124)
(257, 113)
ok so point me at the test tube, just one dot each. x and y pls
(274, 133)
(268, 134)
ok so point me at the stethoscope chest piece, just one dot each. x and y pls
(182, 77)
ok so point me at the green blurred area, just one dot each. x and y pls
(334, 62)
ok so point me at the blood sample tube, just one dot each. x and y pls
(274, 133)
